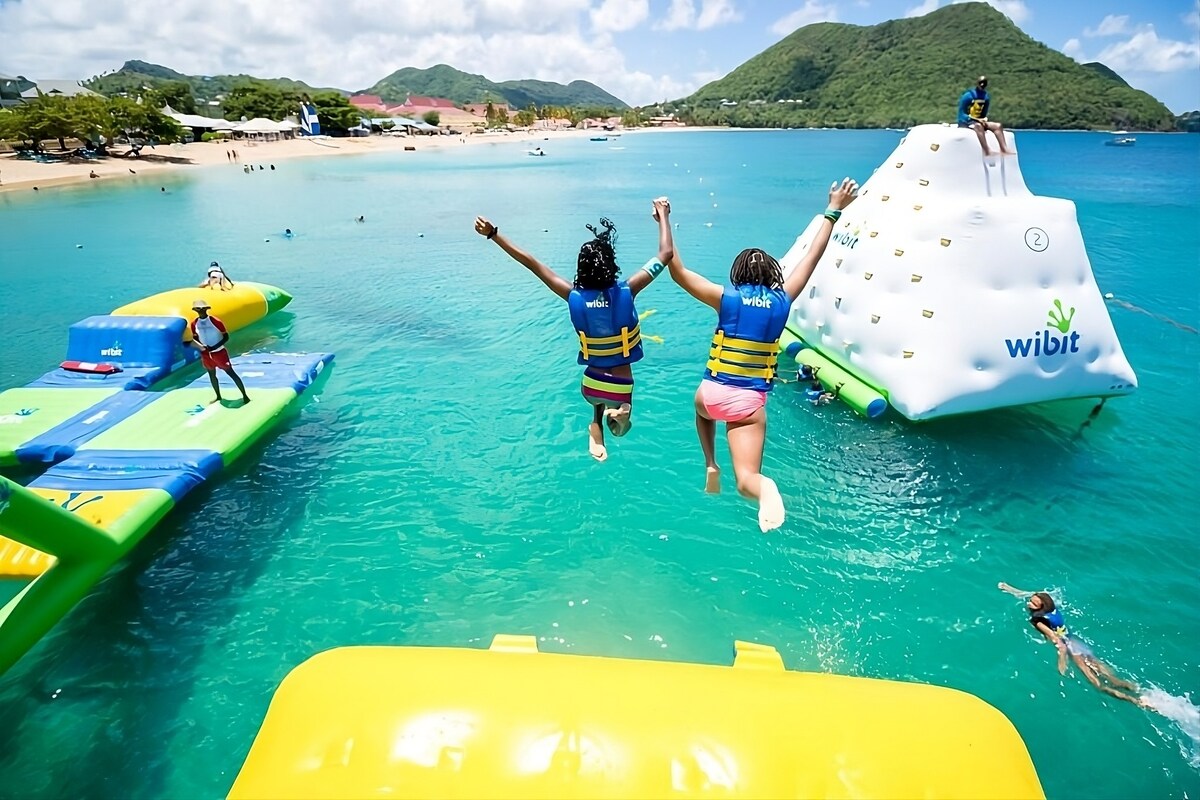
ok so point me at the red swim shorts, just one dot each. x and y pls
(218, 359)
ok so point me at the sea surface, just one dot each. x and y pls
(435, 488)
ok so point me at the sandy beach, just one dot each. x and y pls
(22, 176)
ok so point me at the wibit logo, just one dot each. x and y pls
(846, 238)
(757, 302)
(1043, 343)
(599, 302)
(115, 350)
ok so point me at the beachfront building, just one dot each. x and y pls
(14, 90)
(368, 102)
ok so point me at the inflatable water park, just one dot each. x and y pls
(511, 722)
(119, 450)
(948, 288)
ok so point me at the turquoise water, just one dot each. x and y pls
(436, 490)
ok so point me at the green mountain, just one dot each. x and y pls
(1105, 72)
(1188, 121)
(465, 87)
(134, 76)
(910, 71)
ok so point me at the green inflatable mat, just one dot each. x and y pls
(26, 413)
(187, 419)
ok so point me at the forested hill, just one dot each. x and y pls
(439, 81)
(910, 71)
(465, 87)
(134, 76)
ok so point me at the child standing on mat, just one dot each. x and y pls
(604, 316)
(209, 337)
(752, 309)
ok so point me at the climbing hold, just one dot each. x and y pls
(837, 263)
(908, 353)
(837, 302)
(918, 207)
(868, 275)
(885, 198)
(945, 242)
(874, 318)
(923, 182)
(916, 278)
(899, 164)
(899, 252)
(934, 147)
(873, 234)
(927, 314)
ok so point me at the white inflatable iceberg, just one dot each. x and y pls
(949, 288)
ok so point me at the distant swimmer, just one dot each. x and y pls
(1048, 620)
(216, 278)
(209, 336)
(605, 318)
(361, 219)
(973, 113)
(288, 233)
(752, 309)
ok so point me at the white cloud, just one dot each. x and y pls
(923, 9)
(1112, 25)
(812, 11)
(1192, 18)
(682, 14)
(1145, 52)
(620, 15)
(348, 44)
(1074, 49)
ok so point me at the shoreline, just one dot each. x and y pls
(170, 161)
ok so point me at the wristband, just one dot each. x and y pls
(495, 230)
(654, 268)
(833, 214)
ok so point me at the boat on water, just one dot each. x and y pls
(599, 139)
(1121, 139)
(537, 151)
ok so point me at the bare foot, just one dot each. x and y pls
(712, 480)
(596, 443)
(618, 419)
(770, 505)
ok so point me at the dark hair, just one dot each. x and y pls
(754, 266)
(1047, 601)
(597, 266)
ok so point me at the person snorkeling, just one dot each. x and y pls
(752, 309)
(1048, 620)
(603, 313)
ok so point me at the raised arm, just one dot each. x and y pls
(661, 213)
(696, 285)
(839, 198)
(555, 282)
(1015, 592)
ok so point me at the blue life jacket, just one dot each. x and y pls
(607, 325)
(745, 346)
(1054, 619)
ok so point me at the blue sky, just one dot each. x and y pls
(640, 50)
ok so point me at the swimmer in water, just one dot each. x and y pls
(604, 316)
(1048, 620)
(288, 233)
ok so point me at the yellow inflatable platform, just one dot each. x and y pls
(244, 304)
(510, 722)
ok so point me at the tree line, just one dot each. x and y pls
(97, 120)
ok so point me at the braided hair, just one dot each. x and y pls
(757, 268)
(597, 266)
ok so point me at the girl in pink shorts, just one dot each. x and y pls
(752, 310)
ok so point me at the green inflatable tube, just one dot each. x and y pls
(84, 554)
(865, 400)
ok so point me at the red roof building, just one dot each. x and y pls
(372, 102)
(427, 103)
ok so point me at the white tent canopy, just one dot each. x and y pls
(259, 125)
(197, 121)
